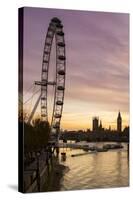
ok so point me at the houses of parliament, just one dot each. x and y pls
(98, 127)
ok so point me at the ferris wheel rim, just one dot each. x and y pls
(55, 30)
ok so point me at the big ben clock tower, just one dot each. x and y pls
(119, 122)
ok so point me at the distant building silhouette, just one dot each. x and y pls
(100, 126)
(95, 123)
(119, 122)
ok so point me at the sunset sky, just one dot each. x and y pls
(97, 74)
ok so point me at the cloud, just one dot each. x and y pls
(97, 55)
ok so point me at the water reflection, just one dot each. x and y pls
(96, 170)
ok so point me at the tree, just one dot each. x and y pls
(42, 131)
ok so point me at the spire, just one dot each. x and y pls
(119, 122)
(119, 115)
(100, 126)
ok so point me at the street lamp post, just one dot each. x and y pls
(38, 172)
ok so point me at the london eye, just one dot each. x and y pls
(54, 34)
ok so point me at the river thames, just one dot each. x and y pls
(95, 170)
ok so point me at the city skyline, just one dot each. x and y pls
(97, 78)
(97, 124)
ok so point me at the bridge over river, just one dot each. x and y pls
(97, 146)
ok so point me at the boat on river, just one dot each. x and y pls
(102, 150)
(95, 149)
(112, 146)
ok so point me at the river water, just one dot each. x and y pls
(95, 170)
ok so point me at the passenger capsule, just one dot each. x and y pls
(44, 70)
(59, 26)
(43, 115)
(60, 33)
(55, 20)
(46, 52)
(60, 103)
(60, 88)
(61, 72)
(43, 98)
(43, 107)
(57, 116)
(57, 125)
(61, 57)
(61, 44)
(45, 61)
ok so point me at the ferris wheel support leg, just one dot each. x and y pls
(34, 109)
